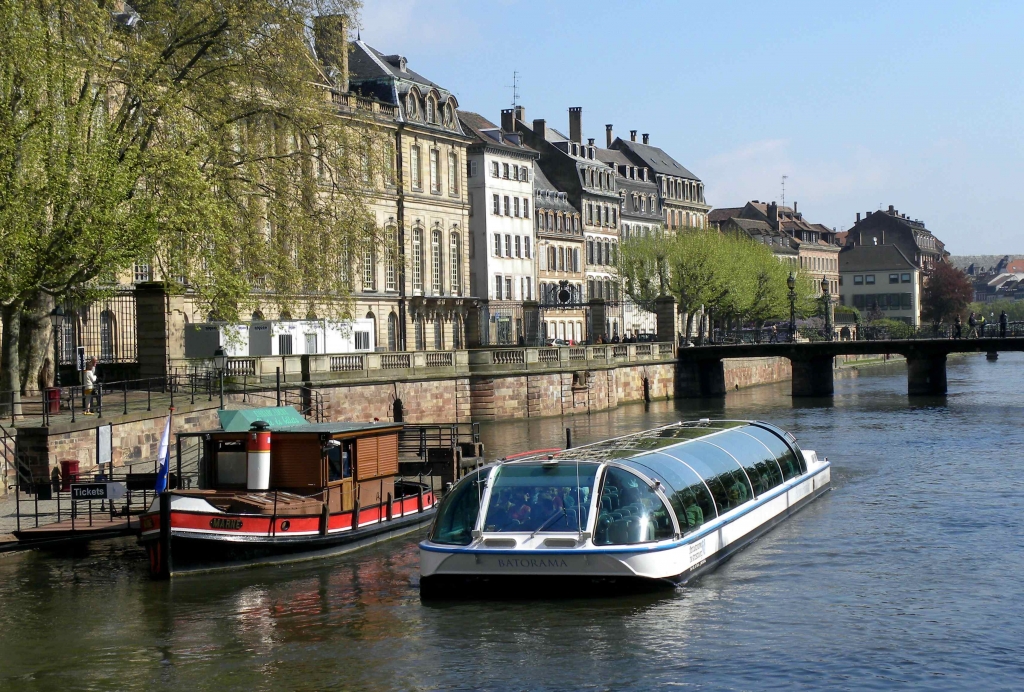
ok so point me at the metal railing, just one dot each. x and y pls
(889, 330)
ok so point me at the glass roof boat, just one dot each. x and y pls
(651, 509)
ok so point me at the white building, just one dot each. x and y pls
(880, 278)
(503, 244)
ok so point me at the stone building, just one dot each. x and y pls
(573, 167)
(880, 278)
(681, 193)
(503, 245)
(418, 293)
(559, 259)
(890, 227)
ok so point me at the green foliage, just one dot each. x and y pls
(848, 310)
(734, 277)
(896, 329)
(1014, 310)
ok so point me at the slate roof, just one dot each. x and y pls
(613, 157)
(366, 62)
(555, 200)
(723, 214)
(483, 130)
(867, 258)
(656, 159)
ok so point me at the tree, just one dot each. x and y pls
(642, 262)
(946, 293)
(203, 136)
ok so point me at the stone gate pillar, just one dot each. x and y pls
(531, 323)
(665, 307)
(159, 328)
(598, 315)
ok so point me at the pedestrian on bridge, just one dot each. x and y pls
(1003, 323)
(981, 326)
(972, 324)
(958, 327)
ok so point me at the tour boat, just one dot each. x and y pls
(282, 495)
(651, 509)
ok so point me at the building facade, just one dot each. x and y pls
(503, 245)
(880, 280)
(417, 292)
(890, 227)
(559, 262)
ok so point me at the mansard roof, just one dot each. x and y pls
(547, 196)
(654, 158)
(492, 136)
(857, 258)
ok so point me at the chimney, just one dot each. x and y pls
(330, 40)
(540, 128)
(858, 217)
(590, 141)
(508, 123)
(576, 124)
(891, 210)
(794, 207)
(608, 136)
(647, 138)
(632, 135)
(520, 114)
(773, 215)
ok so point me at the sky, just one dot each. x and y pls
(860, 104)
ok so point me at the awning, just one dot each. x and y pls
(277, 416)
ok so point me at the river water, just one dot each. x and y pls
(909, 574)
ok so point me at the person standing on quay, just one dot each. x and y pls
(972, 324)
(1003, 323)
(89, 386)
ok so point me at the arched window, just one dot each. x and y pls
(108, 335)
(435, 259)
(417, 259)
(431, 110)
(257, 316)
(392, 332)
(454, 258)
(420, 337)
(438, 334)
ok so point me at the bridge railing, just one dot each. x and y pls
(864, 332)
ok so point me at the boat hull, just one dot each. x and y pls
(199, 542)
(589, 571)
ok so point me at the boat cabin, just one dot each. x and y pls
(338, 465)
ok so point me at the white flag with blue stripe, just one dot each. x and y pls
(163, 457)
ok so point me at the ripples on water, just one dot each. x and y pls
(908, 575)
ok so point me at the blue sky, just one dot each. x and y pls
(861, 104)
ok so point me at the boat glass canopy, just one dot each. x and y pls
(645, 487)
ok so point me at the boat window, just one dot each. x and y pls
(728, 483)
(457, 514)
(757, 460)
(339, 462)
(630, 511)
(538, 497)
(686, 492)
(792, 465)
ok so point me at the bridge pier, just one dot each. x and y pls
(812, 376)
(926, 374)
(700, 378)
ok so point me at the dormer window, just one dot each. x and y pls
(431, 110)
(412, 106)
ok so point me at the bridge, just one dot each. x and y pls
(700, 373)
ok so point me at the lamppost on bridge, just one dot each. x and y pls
(791, 282)
(57, 321)
(826, 302)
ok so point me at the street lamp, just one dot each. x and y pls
(57, 320)
(826, 301)
(791, 282)
(220, 361)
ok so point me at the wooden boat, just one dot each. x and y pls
(282, 495)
